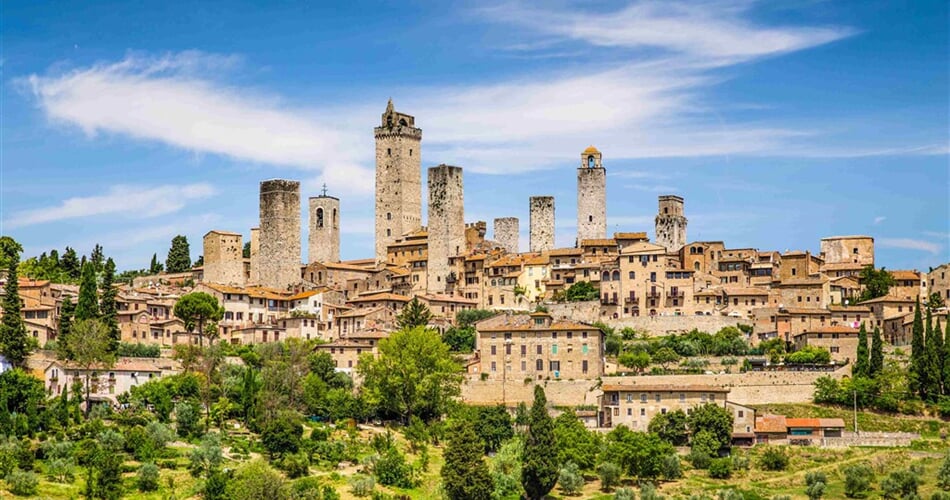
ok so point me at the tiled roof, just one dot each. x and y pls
(380, 296)
(509, 322)
(904, 275)
(599, 243)
(769, 423)
(663, 388)
(630, 236)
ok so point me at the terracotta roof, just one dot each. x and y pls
(226, 233)
(538, 260)
(26, 282)
(830, 329)
(599, 242)
(841, 266)
(480, 256)
(368, 334)
(630, 236)
(904, 275)
(518, 322)
(643, 247)
(447, 298)
(565, 251)
(380, 296)
(889, 298)
(841, 308)
(349, 267)
(769, 423)
(804, 281)
(345, 343)
(746, 291)
(361, 312)
(663, 388)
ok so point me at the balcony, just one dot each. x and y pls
(632, 299)
(675, 294)
(652, 295)
(608, 301)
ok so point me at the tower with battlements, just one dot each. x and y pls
(591, 197)
(398, 178)
(671, 223)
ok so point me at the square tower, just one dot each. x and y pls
(223, 258)
(398, 178)
(591, 197)
(279, 255)
(324, 240)
(671, 223)
(506, 233)
(541, 236)
(446, 225)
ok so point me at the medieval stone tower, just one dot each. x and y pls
(446, 225)
(506, 233)
(398, 178)
(671, 223)
(255, 274)
(223, 258)
(279, 254)
(542, 223)
(324, 239)
(591, 197)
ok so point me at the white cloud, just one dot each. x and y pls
(128, 201)
(879, 219)
(910, 244)
(715, 31)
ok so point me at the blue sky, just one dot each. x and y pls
(127, 122)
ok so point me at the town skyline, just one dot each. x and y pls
(756, 172)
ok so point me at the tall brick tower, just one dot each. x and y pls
(279, 254)
(446, 224)
(542, 223)
(671, 223)
(591, 197)
(398, 178)
(506, 233)
(324, 239)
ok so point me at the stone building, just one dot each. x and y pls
(506, 232)
(446, 225)
(254, 276)
(634, 405)
(857, 250)
(938, 281)
(223, 258)
(542, 223)
(279, 255)
(591, 197)
(671, 223)
(324, 238)
(398, 178)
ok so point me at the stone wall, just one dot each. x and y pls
(670, 222)
(223, 258)
(279, 260)
(324, 238)
(446, 224)
(506, 232)
(514, 391)
(591, 202)
(255, 276)
(542, 223)
(398, 179)
(840, 249)
(589, 312)
(882, 439)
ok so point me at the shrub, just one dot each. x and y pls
(648, 492)
(815, 485)
(625, 494)
(22, 483)
(570, 479)
(774, 459)
(901, 484)
(699, 459)
(256, 480)
(609, 474)
(186, 418)
(857, 480)
(282, 434)
(296, 465)
(391, 469)
(216, 486)
(720, 468)
(148, 476)
(670, 469)
(940, 495)
(362, 485)
(943, 475)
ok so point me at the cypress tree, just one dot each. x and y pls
(877, 353)
(917, 351)
(938, 360)
(465, 475)
(946, 361)
(539, 460)
(861, 365)
(70, 263)
(14, 343)
(87, 306)
(932, 353)
(96, 258)
(155, 267)
(107, 306)
(67, 310)
(179, 255)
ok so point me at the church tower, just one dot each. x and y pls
(398, 178)
(324, 238)
(591, 197)
(671, 223)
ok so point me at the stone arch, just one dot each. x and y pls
(605, 276)
(616, 275)
(320, 217)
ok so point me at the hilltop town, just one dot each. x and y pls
(620, 329)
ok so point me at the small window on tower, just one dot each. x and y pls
(389, 152)
(410, 152)
(319, 217)
(389, 216)
(590, 218)
(389, 232)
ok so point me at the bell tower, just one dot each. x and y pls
(398, 178)
(591, 197)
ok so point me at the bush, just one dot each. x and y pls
(609, 474)
(901, 484)
(186, 418)
(943, 475)
(625, 494)
(362, 485)
(296, 465)
(648, 492)
(148, 476)
(570, 479)
(670, 469)
(311, 488)
(699, 459)
(22, 483)
(720, 468)
(216, 486)
(815, 485)
(774, 459)
(256, 480)
(282, 434)
(139, 350)
(857, 480)
(391, 469)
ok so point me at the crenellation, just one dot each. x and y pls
(671, 223)
(398, 178)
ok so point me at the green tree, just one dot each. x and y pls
(492, 424)
(179, 255)
(664, 356)
(714, 419)
(469, 317)
(933, 346)
(207, 457)
(671, 427)
(861, 366)
(96, 258)
(857, 480)
(575, 443)
(934, 302)
(148, 476)
(107, 304)
(638, 360)
(89, 344)
(282, 435)
(774, 459)
(876, 364)
(15, 345)
(255, 480)
(582, 290)
(927, 363)
(539, 465)
(464, 474)
(21, 399)
(197, 308)
(460, 339)
(70, 264)
(901, 484)
(570, 479)
(414, 374)
(155, 266)
(640, 454)
(609, 474)
(65, 323)
(246, 251)
(414, 314)
(876, 282)
(87, 306)
(946, 360)
(943, 475)
(815, 485)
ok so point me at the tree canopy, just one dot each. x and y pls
(539, 468)
(414, 314)
(179, 255)
(195, 310)
(14, 343)
(877, 282)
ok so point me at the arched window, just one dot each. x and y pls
(605, 276)
(616, 276)
(334, 218)
(320, 217)
(696, 266)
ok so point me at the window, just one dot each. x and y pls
(524, 365)
(643, 412)
(584, 366)
(643, 398)
(493, 366)
(629, 398)
(682, 398)
(539, 349)
(741, 414)
(555, 366)
(524, 350)
(539, 365)
(493, 350)
(629, 412)
(657, 397)
(553, 348)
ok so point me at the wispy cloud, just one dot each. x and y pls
(910, 244)
(879, 219)
(127, 201)
(936, 234)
